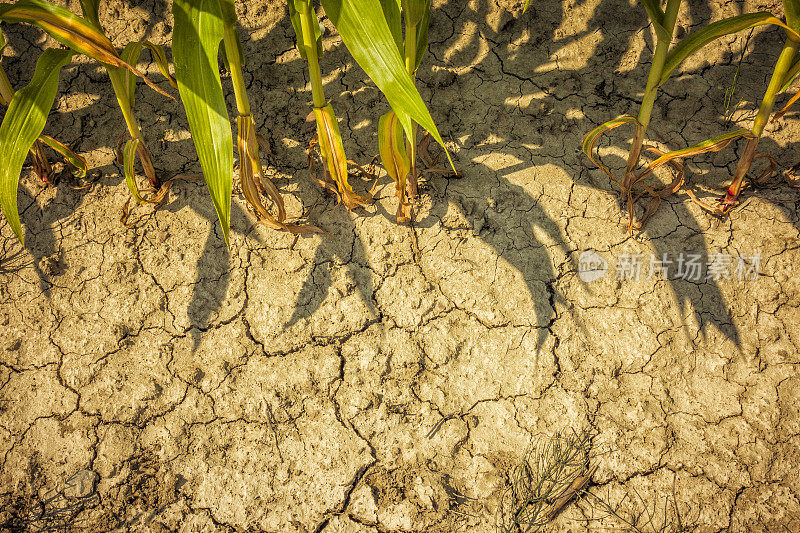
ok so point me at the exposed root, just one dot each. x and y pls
(725, 205)
(155, 198)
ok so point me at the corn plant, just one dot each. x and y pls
(329, 139)
(254, 182)
(664, 63)
(373, 33)
(397, 153)
(28, 108)
(23, 123)
(202, 26)
(124, 83)
(784, 72)
(407, 23)
(41, 164)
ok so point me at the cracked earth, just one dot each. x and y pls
(151, 379)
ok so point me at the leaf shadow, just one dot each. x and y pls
(536, 50)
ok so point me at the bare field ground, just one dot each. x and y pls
(153, 380)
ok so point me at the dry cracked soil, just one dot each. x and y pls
(152, 379)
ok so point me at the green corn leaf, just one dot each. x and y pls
(91, 11)
(294, 16)
(196, 38)
(22, 125)
(525, 7)
(78, 33)
(418, 13)
(365, 32)
(295, 8)
(715, 30)
(77, 161)
(130, 55)
(391, 10)
(6, 90)
(129, 159)
(414, 10)
(791, 74)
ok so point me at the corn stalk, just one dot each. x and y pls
(329, 138)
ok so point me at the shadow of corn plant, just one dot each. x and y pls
(526, 49)
(513, 226)
(465, 75)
